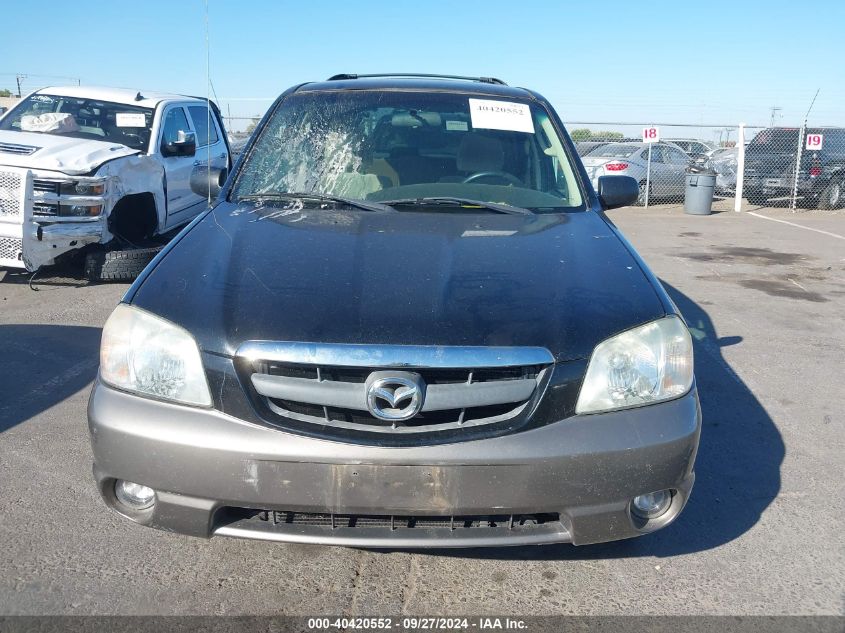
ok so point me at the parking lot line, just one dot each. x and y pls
(800, 226)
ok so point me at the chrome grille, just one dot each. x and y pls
(45, 186)
(21, 150)
(11, 248)
(11, 184)
(45, 208)
(327, 385)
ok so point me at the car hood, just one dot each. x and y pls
(69, 155)
(564, 281)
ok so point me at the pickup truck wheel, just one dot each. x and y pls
(118, 265)
(833, 196)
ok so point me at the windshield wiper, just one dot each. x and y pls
(458, 202)
(318, 197)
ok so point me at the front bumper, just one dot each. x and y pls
(203, 464)
(30, 238)
(783, 185)
(35, 244)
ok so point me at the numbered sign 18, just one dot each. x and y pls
(814, 141)
(651, 134)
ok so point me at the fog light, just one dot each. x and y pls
(133, 495)
(652, 505)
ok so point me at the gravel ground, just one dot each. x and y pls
(762, 533)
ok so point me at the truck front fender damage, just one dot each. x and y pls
(45, 240)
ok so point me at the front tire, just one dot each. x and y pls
(833, 196)
(118, 265)
(756, 197)
(642, 196)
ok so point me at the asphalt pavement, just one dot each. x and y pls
(762, 533)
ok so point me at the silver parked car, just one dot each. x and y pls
(668, 166)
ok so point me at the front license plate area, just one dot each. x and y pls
(377, 489)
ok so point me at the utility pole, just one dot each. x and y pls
(775, 110)
(18, 79)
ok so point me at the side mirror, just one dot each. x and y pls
(207, 181)
(617, 191)
(184, 145)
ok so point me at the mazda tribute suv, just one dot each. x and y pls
(405, 322)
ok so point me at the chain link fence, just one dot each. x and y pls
(795, 167)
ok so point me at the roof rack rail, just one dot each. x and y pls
(486, 80)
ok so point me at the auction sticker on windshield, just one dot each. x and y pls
(500, 115)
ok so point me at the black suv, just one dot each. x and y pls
(770, 161)
(406, 322)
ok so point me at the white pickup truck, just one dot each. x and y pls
(84, 165)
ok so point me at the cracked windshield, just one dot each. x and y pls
(409, 148)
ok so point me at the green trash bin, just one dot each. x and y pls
(698, 194)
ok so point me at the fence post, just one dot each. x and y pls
(798, 166)
(740, 167)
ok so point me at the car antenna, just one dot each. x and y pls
(208, 87)
(139, 97)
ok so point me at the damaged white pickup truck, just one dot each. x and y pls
(81, 166)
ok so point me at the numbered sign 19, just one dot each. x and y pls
(814, 141)
(651, 134)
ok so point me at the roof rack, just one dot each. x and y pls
(485, 80)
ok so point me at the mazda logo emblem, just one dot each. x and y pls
(395, 396)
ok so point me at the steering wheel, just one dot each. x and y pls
(136, 142)
(501, 175)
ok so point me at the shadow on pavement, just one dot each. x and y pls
(41, 366)
(69, 272)
(737, 468)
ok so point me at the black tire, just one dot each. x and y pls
(641, 197)
(755, 197)
(833, 196)
(118, 265)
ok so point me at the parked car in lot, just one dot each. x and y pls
(770, 161)
(668, 167)
(585, 147)
(692, 146)
(405, 322)
(724, 162)
(236, 145)
(82, 166)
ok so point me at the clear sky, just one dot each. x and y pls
(715, 62)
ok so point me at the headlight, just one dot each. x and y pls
(147, 355)
(89, 188)
(648, 364)
(80, 209)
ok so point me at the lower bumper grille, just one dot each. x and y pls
(391, 531)
(396, 522)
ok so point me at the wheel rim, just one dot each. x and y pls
(835, 194)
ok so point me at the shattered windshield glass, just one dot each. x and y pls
(82, 118)
(399, 146)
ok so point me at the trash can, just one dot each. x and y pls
(698, 194)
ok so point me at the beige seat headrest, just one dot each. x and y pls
(480, 153)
